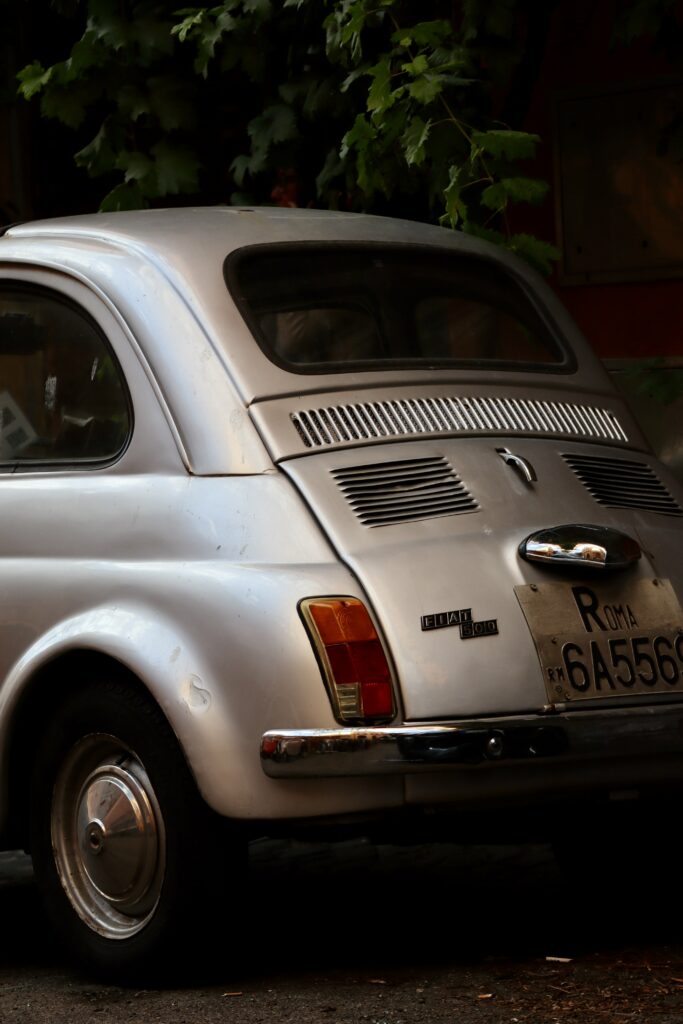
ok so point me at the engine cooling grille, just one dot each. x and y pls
(622, 483)
(367, 421)
(404, 491)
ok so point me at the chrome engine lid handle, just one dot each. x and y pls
(581, 546)
(522, 465)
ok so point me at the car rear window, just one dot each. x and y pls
(337, 308)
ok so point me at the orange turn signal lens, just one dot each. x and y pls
(354, 664)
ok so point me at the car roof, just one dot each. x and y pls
(226, 228)
(188, 248)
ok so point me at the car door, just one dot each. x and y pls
(88, 461)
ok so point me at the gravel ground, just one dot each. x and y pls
(355, 933)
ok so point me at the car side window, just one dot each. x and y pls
(62, 395)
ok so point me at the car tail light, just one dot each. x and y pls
(352, 658)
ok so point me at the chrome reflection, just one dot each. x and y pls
(580, 545)
(400, 750)
(523, 466)
(489, 744)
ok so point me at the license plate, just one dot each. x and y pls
(606, 639)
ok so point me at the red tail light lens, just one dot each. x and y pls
(355, 666)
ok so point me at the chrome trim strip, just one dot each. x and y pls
(564, 738)
(367, 421)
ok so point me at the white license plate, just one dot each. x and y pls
(607, 638)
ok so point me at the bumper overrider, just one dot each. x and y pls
(407, 749)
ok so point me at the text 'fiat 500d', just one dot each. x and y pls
(308, 519)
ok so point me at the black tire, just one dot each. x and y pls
(129, 859)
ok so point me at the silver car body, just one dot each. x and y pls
(186, 560)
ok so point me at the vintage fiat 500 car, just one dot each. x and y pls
(307, 518)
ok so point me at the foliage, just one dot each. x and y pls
(120, 76)
(379, 105)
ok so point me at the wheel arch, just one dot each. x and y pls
(40, 696)
(151, 647)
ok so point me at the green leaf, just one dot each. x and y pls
(123, 197)
(379, 95)
(427, 88)
(456, 208)
(417, 66)
(32, 79)
(136, 166)
(319, 97)
(98, 157)
(67, 105)
(277, 123)
(152, 37)
(392, 128)
(260, 7)
(185, 27)
(86, 53)
(353, 76)
(515, 190)
(495, 197)
(540, 255)
(506, 144)
(132, 102)
(331, 170)
(169, 100)
(358, 137)
(414, 140)
(343, 28)
(177, 169)
(207, 46)
(107, 25)
(240, 167)
(426, 33)
(452, 56)
(358, 141)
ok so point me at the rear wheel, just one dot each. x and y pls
(108, 836)
(128, 857)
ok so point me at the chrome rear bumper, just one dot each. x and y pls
(576, 736)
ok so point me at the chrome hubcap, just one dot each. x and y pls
(108, 837)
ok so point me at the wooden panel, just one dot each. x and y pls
(620, 194)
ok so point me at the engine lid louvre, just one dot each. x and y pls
(388, 493)
(623, 483)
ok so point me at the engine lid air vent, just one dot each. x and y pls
(623, 483)
(359, 422)
(386, 493)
